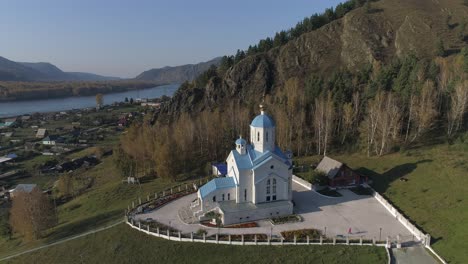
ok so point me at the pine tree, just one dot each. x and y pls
(440, 49)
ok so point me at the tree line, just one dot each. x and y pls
(377, 110)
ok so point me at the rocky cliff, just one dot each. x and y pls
(177, 74)
(391, 29)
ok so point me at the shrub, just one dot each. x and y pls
(301, 234)
(316, 177)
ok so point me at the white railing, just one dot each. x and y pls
(168, 235)
(302, 182)
(424, 238)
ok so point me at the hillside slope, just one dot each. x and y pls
(391, 29)
(12, 71)
(177, 74)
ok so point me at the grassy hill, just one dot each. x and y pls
(435, 195)
(122, 244)
(103, 203)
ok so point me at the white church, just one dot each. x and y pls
(258, 184)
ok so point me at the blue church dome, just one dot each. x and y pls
(241, 141)
(263, 120)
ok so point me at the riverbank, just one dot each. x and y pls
(18, 108)
(24, 91)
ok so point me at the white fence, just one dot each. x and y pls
(423, 238)
(166, 234)
(302, 182)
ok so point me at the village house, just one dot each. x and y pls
(52, 140)
(27, 188)
(8, 123)
(339, 174)
(41, 133)
(258, 184)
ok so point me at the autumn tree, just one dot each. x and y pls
(382, 124)
(424, 112)
(457, 108)
(99, 100)
(323, 122)
(65, 185)
(31, 214)
(350, 116)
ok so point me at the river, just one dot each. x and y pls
(77, 102)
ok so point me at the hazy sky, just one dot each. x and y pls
(124, 38)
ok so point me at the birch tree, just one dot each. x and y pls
(457, 108)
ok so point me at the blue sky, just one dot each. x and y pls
(124, 38)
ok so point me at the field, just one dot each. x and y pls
(103, 203)
(121, 244)
(435, 195)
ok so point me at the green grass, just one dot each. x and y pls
(435, 197)
(122, 244)
(103, 203)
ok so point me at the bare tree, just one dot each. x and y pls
(350, 116)
(382, 123)
(99, 100)
(457, 108)
(425, 111)
(31, 214)
(323, 122)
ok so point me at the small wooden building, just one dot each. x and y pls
(339, 174)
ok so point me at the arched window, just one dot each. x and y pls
(268, 187)
(223, 196)
(258, 136)
(245, 194)
(214, 198)
(274, 186)
(266, 138)
(229, 196)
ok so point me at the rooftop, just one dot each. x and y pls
(216, 184)
(329, 166)
(263, 120)
(24, 187)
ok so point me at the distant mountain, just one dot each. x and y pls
(50, 71)
(177, 74)
(85, 76)
(13, 71)
(43, 71)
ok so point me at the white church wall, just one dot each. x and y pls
(258, 214)
(262, 173)
(245, 179)
(228, 193)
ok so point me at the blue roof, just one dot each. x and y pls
(12, 156)
(241, 141)
(216, 184)
(222, 168)
(254, 158)
(263, 120)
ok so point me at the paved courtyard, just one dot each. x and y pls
(363, 214)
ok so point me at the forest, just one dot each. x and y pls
(377, 110)
(308, 24)
(10, 91)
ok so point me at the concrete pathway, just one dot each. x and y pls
(412, 255)
(363, 214)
